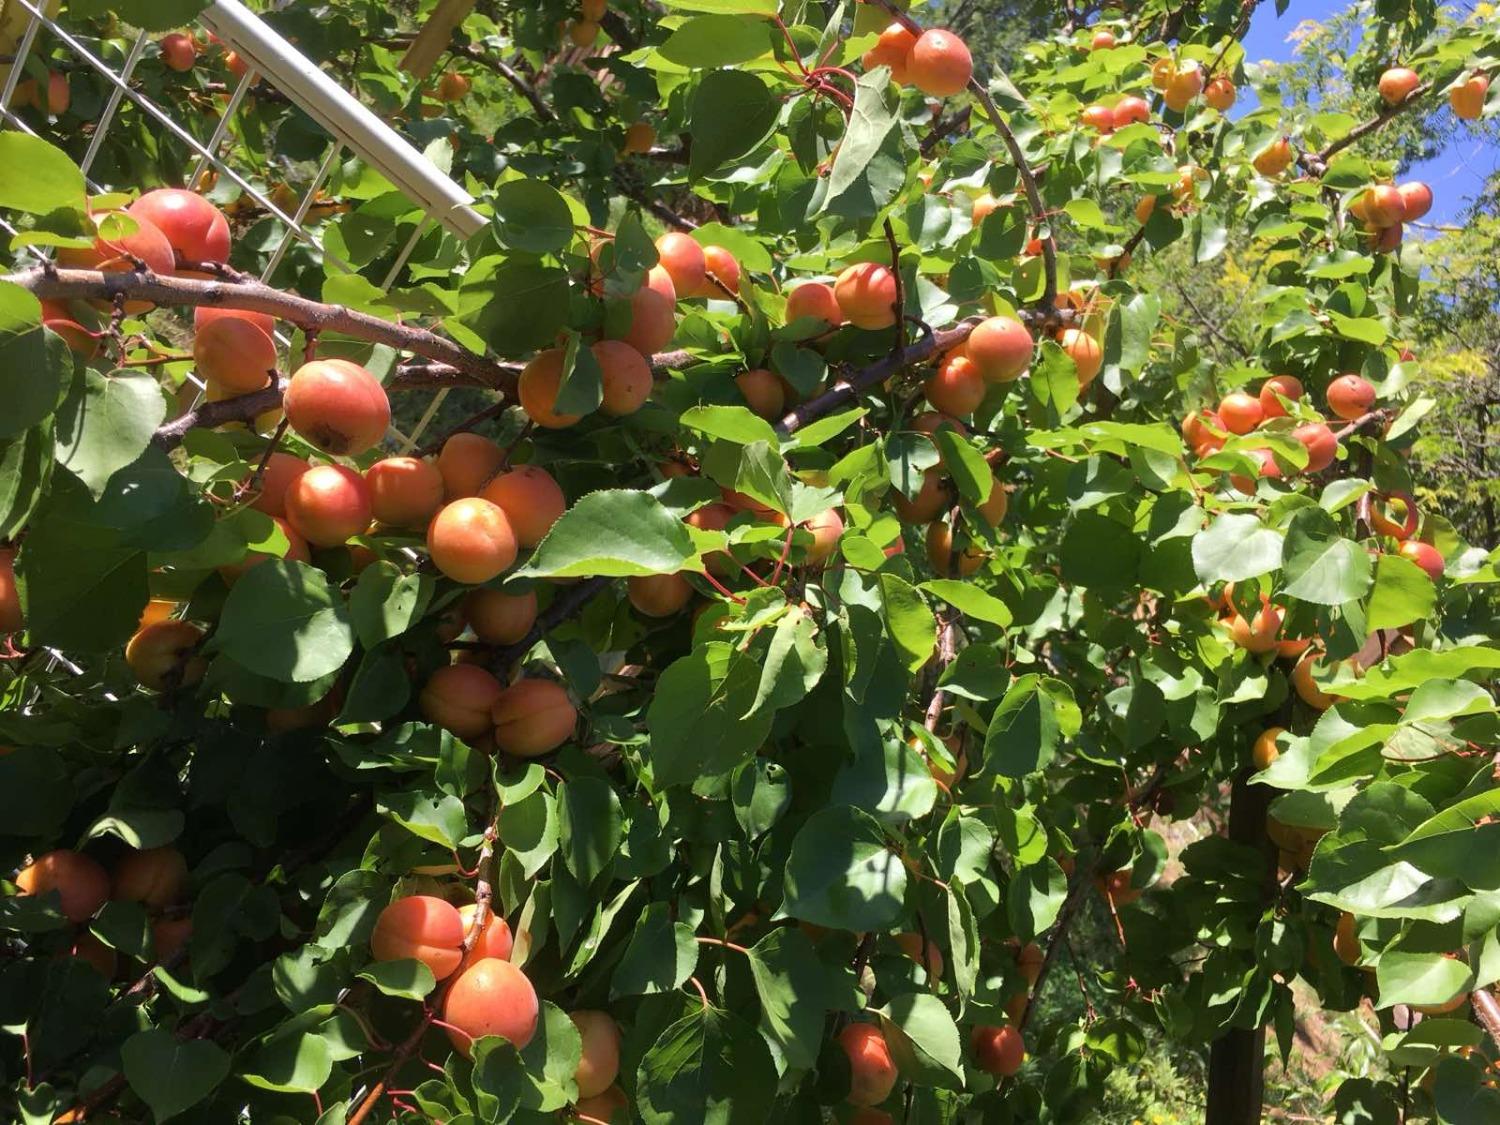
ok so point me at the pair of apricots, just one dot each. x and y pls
(1399, 84)
(935, 61)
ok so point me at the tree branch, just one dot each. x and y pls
(1317, 163)
(569, 603)
(509, 73)
(209, 414)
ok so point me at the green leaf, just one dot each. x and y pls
(869, 122)
(532, 216)
(37, 177)
(386, 603)
(36, 367)
(616, 534)
(912, 626)
(109, 425)
(80, 587)
(737, 424)
(795, 993)
(888, 779)
(168, 1074)
(1403, 593)
(1367, 330)
(292, 1061)
(662, 954)
(842, 875)
(590, 824)
(36, 791)
(1419, 978)
(1321, 566)
(581, 388)
(1235, 547)
(969, 600)
(528, 829)
(284, 621)
(923, 1039)
(965, 464)
(710, 41)
(702, 717)
(513, 307)
(746, 7)
(794, 663)
(710, 1067)
(732, 112)
(1033, 718)
(404, 978)
(438, 817)
(540, 1077)
(25, 468)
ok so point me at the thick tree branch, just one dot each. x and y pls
(209, 414)
(1487, 1009)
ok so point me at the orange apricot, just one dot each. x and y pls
(872, 1071)
(11, 618)
(658, 595)
(531, 500)
(164, 655)
(611, 1107)
(1274, 159)
(1084, 351)
(296, 549)
(79, 881)
(404, 491)
(763, 392)
(1129, 110)
(533, 717)
(815, 301)
(640, 137)
(940, 551)
(490, 997)
(453, 87)
(683, 259)
(653, 320)
(1416, 200)
(1306, 687)
(1425, 555)
(235, 354)
(929, 503)
(1265, 751)
(337, 406)
(1100, 117)
(196, 229)
(1286, 387)
(1321, 445)
(471, 540)
(721, 264)
(625, 377)
(540, 381)
(600, 1064)
(458, 698)
(998, 1050)
(939, 64)
(466, 463)
(328, 505)
(91, 951)
(155, 877)
(827, 529)
(118, 252)
(866, 293)
(1029, 960)
(179, 51)
(1185, 84)
(995, 505)
(420, 928)
(1103, 40)
(1346, 941)
(1001, 348)
(1350, 396)
(1220, 93)
(957, 387)
(1258, 635)
(1397, 84)
(282, 470)
(1468, 97)
(892, 49)
(927, 954)
(495, 940)
(1240, 412)
(498, 618)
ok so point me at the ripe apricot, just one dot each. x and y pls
(870, 1115)
(1185, 84)
(1424, 555)
(163, 655)
(1350, 396)
(490, 997)
(337, 406)
(404, 491)
(1264, 752)
(1384, 206)
(533, 717)
(866, 293)
(892, 49)
(684, 261)
(940, 64)
(1029, 960)
(179, 51)
(583, 33)
(422, 928)
(611, 1107)
(156, 878)
(319, 713)
(1397, 84)
(658, 595)
(235, 354)
(1274, 159)
(816, 301)
(763, 392)
(640, 137)
(1321, 445)
(940, 551)
(453, 87)
(328, 505)
(114, 252)
(827, 528)
(957, 387)
(1468, 97)
(1240, 412)
(471, 540)
(531, 500)
(1161, 72)
(282, 471)
(495, 940)
(593, 9)
(466, 463)
(80, 882)
(600, 1064)
(653, 320)
(59, 317)
(929, 503)
(723, 265)
(1220, 93)
(1103, 40)
(1117, 887)
(995, 505)
(196, 229)
(1001, 348)
(872, 1071)
(540, 381)
(1306, 687)
(11, 618)
(458, 698)
(169, 936)
(1099, 117)
(91, 951)
(1259, 634)
(296, 549)
(1286, 386)
(625, 377)
(927, 954)
(498, 618)
(1084, 351)
(1130, 110)
(1346, 940)
(1416, 200)
(998, 1050)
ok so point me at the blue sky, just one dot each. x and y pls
(1455, 177)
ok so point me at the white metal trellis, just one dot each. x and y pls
(271, 59)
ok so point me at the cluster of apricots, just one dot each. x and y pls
(936, 62)
(1399, 84)
(583, 29)
(156, 878)
(1384, 209)
(484, 993)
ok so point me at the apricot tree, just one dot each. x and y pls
(848, 583)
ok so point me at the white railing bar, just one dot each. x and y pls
(422, 423)
(17, 66)
(214, 142)
(400, 263)
(106, 119)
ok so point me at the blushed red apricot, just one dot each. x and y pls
(957, 387)
(892, 49)
(155, 877)
(533, 717)
(866, 293)
(404, 491)
(929, 503)
(940, 63)
(169, 936)
(1350, 396)
(80, 882)
(1001, 348)
(653, 320)
(763, 392)
(1240, 412)
(658, 595)
(1426, 556)
(458, 698)
(815, 301)
(1416, 199)
(179, 51)
(1103, 40)
(600, 1063)
(61, 319)
(471, 540)
(1397, 84)
(163, 655)
(328, 505)
(1084, 351)
(1099, 117)
(872, 1071)
(625, 377)
(540, 381)
(11, 618)
(491, 997)
(531, 500)
(722, 265)
(234, 354)
(282, 471)
(423, 928)
(1321, 445)
(498, 618)
(1383, 206)
(1259, 635)
(940, 551)
(714, 517)
(683, 259)
(196, 228)
(1286, 386)
(495, 940)
(337, 406)
(1265, 467)
(827, 529)
(998, 1050)
(1130, 110)
(466, 463)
